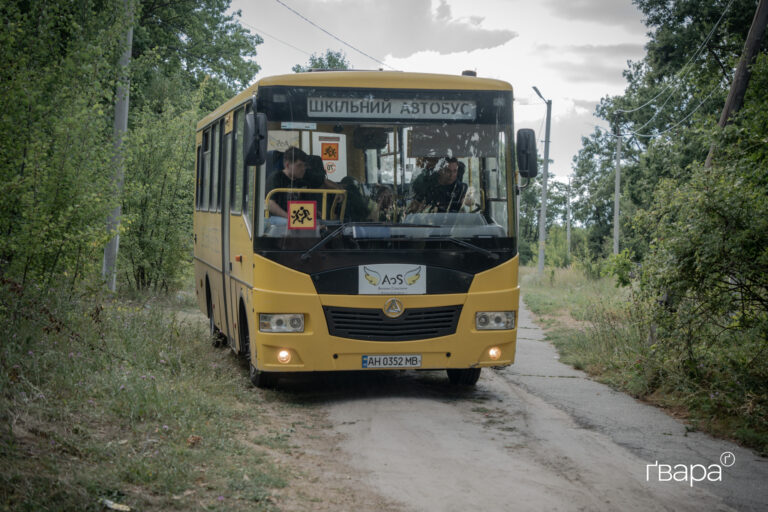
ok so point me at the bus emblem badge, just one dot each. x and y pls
(393, 308)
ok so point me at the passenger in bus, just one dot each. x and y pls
(439, 190)
(299, 171)
(358, 207)
(383, 208)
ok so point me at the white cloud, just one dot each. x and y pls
(573, 50)
(603, 12)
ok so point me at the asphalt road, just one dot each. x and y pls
(538, 435)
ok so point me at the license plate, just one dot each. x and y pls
(392, 361)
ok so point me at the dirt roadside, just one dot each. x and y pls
(300, 439)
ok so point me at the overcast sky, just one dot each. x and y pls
(573, 50)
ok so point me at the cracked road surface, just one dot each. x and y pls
(538, 435)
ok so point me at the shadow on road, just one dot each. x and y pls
(328, 387)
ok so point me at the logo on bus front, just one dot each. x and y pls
(393, 308)
(390, 279)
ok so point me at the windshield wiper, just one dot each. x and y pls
(468, 245)
(335, 233)
(325, 240)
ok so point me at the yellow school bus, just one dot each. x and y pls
(395, 248)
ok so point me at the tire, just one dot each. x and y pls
(215, 334)
(463, 377)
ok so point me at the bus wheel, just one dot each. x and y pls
(463, 377)
(212, 330)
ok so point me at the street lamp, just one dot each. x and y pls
(543, 210)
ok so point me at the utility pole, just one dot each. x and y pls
(616, 188)
(545, 174)
(568, 221)
(741, 78)
(109, 266)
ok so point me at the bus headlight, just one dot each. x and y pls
(281, 322)
(494, 320)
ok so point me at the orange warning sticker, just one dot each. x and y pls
(330, 151)
(302, 214)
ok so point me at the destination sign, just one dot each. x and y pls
(391, 108)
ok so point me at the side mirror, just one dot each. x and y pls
(255, 141)
(527, 162)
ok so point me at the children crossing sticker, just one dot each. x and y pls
(302, 214)
(330, 151)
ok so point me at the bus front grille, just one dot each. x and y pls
(374, 325)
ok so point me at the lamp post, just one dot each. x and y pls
(543, 210)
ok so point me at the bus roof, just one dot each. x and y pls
(363, 79)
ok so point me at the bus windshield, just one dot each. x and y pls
(437, 173)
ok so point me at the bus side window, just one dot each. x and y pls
(226, 168)
(204, 185)
(237, 173)
(199, 173)
(249, 189)
(214, 204)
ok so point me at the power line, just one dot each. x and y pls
(333, 36)
(275, 38)
(658, 111)
(627, 133)
(669, 128)
(694, 56)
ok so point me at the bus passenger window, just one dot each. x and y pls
(206, 170)
(248, 191)
(226, 167)
(237, 175)
(248, 196)
(214, 204)
(198, 192)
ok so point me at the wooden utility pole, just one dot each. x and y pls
(544, 176)
(741, 78)
(568, 221)
(616, 192)
(109, 266)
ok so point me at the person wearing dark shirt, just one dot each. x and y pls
(296, 174)
(439, 191)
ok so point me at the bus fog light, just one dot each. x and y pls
(284, 356)
(494, 353)
(281, 322)
(494, 320)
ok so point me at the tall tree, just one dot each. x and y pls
(57, 64)
(58, 68)
(189, 42)
(679, 84)
(328, 60)
(189, 58)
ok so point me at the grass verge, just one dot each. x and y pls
(604, 331)
(115, 400)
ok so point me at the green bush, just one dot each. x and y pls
(156, 245)
(620, 267)
(99, 398)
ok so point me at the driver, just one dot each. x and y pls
(295, 174)
(441, 190)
